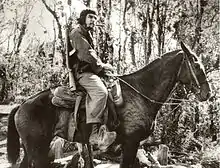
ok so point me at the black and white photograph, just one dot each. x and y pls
(109, 84)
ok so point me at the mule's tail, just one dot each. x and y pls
(13, 144)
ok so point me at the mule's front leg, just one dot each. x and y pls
(85, 155)
(129, 148)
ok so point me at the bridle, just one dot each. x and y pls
(191, 70)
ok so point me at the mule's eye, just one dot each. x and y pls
(197, 66)
(192, 58)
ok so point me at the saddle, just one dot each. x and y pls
(63, 97)
(72, 101)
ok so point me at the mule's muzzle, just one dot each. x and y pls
(203, 97)
(205, 91)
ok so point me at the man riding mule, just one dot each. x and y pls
(144, 92)
(87, 67)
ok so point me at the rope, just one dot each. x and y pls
(159, 102)
(179, 99)
(146, 97)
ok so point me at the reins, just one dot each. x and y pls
(146, 97)
(177, 83)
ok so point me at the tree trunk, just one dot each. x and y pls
(60, 35)
(119, 45)
(122, 47)
(54, 40)
(109, 40)
(3, 80)
(132, 50)
(161, 22)
(105, 45)
(125, 29)
(21, 28)
(200, 9)
(150, 16)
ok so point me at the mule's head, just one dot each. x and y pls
(193, 75)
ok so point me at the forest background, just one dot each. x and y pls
(129, 34)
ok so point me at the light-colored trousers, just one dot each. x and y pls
(96, 99)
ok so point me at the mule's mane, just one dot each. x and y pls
(165, 57)
(156, 79)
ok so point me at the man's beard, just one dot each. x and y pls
(91, 28)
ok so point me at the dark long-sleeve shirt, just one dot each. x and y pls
(82, 42)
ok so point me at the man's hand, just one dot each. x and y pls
(108, 67)
(107, 70)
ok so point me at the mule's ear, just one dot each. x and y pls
(185, 49)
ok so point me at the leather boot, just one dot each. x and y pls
(113, 120)
(101, 137)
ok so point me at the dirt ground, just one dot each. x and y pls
(5, 110)
(3, 130)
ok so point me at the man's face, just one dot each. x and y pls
(90, 21)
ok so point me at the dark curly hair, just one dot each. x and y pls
(82, 17)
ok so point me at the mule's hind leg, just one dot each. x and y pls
(37, 152)
(24, 162)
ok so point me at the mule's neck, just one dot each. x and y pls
(158, 81)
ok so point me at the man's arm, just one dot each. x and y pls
(85, 52)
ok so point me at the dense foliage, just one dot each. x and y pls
(129, 34)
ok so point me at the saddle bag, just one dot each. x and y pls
(63, 97)
(115, 93)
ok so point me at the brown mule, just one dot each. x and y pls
(144, 93)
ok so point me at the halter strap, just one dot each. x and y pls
(192, 72)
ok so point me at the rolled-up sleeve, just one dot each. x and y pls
(85, 52)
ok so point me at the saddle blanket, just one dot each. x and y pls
(63, 97)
